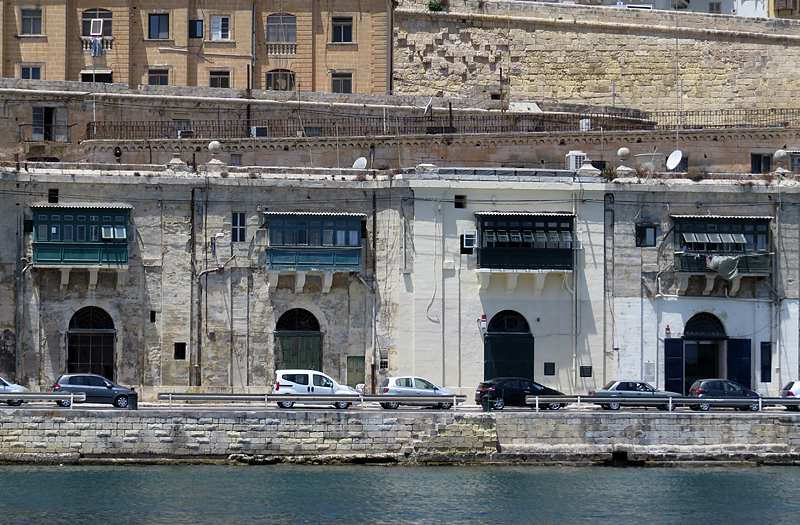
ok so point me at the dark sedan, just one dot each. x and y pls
(722, 389)
(641, 392)
(511, 391)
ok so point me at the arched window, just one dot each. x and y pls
(297, 320)
(508, 321)
(280, 80)
(705, 326)
(91, 318)
(96, 14)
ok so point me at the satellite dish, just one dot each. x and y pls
(674, 159)
(360, 163)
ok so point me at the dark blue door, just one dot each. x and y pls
(673, 366)
(739, 361)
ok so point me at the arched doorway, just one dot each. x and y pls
(90, 342)
(298, 341)
(508, 346)
(705, 351)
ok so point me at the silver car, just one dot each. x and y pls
(639, 391)
(6, 387)
(791, 391)
(412, 386)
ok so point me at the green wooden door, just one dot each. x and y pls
(355, 370)
(508, 355)
(298, 350)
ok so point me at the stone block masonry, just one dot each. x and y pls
(155, 436)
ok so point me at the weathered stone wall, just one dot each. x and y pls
(258, 436)
(594, 55)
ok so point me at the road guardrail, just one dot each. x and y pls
(670, 402)
(44, 396)
(361, 399)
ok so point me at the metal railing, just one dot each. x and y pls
(366, 126)
(361, 399)
(72, 397)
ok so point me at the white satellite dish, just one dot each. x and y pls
(674, 159)
(360, 163)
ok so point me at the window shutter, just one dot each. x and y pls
(216, 28)
(786, 4)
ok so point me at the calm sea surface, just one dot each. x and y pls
(133, 495)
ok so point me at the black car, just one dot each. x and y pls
(511, 391)
(97, 388)
(723, 388)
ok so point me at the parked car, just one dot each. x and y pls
(634, 390)
(412, 386)
(97, 388)
(511, 391)
(7, 388)
(300, 382)
(792, 391)
(723, 388)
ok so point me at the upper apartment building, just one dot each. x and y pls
(338, 47)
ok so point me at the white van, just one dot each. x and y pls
(299, 382)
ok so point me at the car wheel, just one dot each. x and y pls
(703, 407)
(285, 404)
(63, 402)
(752, 407)
(613, 406)
(341, 404)
(391, 405)
(14, 402)
(498, 404)
(553, 406)
(445, 406)
(121, 402)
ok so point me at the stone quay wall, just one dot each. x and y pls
(354, 436)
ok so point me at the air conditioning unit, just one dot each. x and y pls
(470, 239)
(574, 160)
(185, 133)
(259, 131)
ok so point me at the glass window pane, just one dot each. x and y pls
(55, 233)
(566, 236)
(316, 238)
(340, 237)
(80, 233)
(541, 236)
(527, 236)
(120, 233)
(490, 236)
(41, 234)
(553, 236)
(354, 238)
(276, 237)
(516, 236)
(67, 232)
(302, 236)
(108, 232)
(502, 236)
(327, 237)
(689, 237)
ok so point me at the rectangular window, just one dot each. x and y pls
(158, 77)
(120, 233)
(41, 233)
(80, 232)
(281, 28)
(586, 371)
(68, 232)
(31, 22)
(219, 79)
(52, 196)
(152, 316)
(179, 351)
(549, 369)
(55, 233)
(342, 29)
(645, 235)
(237, 227)
(108, 232)
(94, 233)
(760, 163)
(159, 27)
(342, 82)
(31, 73)
(195, 29)
(715, 8)
(220, 28)
(460, 201)
(766, 362)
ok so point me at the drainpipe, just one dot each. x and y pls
(18, 297)
(199, 307)
(373, 339)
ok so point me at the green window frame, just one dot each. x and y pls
(82, 228)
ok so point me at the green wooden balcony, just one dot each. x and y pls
(695, 262)
(525, 258)
(301, 258)
(80, 254)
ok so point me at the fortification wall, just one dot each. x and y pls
(258, 436)
(647, 60)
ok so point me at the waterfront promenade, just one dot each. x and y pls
(254, 436)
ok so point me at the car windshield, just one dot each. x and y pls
(423, 384)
